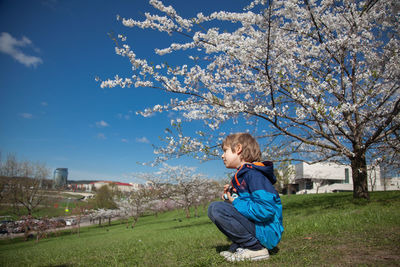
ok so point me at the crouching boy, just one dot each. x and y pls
(251, 215)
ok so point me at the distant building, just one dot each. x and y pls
(90, 185)
(123, 187)
(60, 177)
(83, 186)
(331, 177)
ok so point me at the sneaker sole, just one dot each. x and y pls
(257, 258)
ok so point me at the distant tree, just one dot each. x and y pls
(174, 186)
(158, 184)
(100, 214)
(125, 209)
(319, 183)
(284, 170)
(115, 190)
(104, 198)
(11, 167)
(139, 200)
(134, 204)
(389, 164)
(79, 211)
(208, 191)
(372, 177)
(25, 181)
(186, 184)
(3, 187)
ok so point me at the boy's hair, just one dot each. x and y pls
(250, 148)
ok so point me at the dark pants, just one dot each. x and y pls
(240, 230)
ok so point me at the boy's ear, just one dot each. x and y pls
(239, 149)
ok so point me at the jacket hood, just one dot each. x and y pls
(265, 167)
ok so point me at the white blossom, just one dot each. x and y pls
(323, 75)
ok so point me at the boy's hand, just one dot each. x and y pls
(228, 194)
(230, 198)
(226, 188)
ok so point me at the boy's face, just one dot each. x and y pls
(231, 159)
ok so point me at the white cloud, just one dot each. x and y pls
(44, 104)
(123, 140)
(11, 46)
(102, 124)
(26, 115)
(126, 116)
(143, 140)
(101, 136)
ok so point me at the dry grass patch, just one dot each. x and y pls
(379, 248)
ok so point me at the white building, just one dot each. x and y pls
(332, 177)
(122, 187)
(95, 185)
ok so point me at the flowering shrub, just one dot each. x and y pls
(30, 226)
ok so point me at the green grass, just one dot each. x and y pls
(320, 230)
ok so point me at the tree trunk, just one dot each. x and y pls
(135, 219)
(79, 224)
(360, 176)
(205, 204)
(187, 211)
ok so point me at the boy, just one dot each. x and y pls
(251, 216)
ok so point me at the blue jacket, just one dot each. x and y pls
(259, 201)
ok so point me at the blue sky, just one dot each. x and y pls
(51, 108)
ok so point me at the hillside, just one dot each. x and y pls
(320, 230)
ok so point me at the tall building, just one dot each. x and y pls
(60, 177)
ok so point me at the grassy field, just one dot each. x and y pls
(320, 230)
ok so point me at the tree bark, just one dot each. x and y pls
(360, 176)
(187, 211)
(135, 219)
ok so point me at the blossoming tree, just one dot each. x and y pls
(323, 75)
(188, 187)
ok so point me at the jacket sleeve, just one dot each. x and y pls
(258, 202)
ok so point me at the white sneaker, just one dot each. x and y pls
(247, 254)
(226, 254)
(232, 249)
